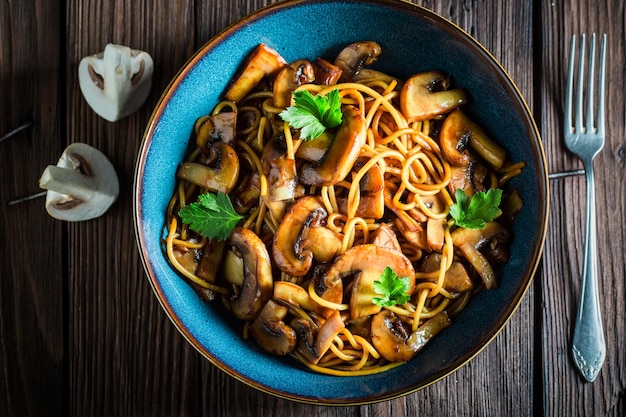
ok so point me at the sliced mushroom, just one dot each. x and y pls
(220, 126)
(394, 341)
(457, 131)
(325, 72)
(289, 78)
(469, 242)
(290, 246)
(81, 186)
(279, 170)
(253, 272)
(271, 332)
(354, 56)
(314, 150)
(296, 295)
(371, 198)
(314, 345)
(456, 279)
(324, 243)
(116, 82)
(264, 61)
(385, 237)
(426, 95)
(367, 263)
(343, 152)
(221, 176)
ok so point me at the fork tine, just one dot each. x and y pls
(570, 86)
(590, 128)
(601, 86)
(581, 84)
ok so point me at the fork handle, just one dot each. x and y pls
(588, 346)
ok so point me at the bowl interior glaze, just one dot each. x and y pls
(413, 39)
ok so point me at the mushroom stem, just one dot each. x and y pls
(68, 181)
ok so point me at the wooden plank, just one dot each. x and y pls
(566, 392)
(126, 358)
(31, 251)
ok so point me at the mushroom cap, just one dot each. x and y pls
(82, 185)
(116, 82)
(258, 282)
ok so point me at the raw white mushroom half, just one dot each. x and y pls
(116, 82)
(81, 186)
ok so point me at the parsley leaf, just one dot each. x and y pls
(213, 216)
(313, 114)
(393, 289)
(475, 212)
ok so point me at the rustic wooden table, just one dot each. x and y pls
(81, 332)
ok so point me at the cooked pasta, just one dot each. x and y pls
(323, 219)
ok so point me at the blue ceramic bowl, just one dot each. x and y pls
(413, 39)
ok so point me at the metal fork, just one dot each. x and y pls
(586, 141)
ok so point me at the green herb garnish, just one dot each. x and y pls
(475, 212)
(213, 216)
(313, 114)
(393, 289)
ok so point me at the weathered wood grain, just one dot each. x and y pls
(565, 391)
(81, 332)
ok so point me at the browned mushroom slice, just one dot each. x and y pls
(281, 176)
(313, 344)
(458, 131)
(426, 95)
(343, 152)
(314, 150)
(221, 126)
(354, 56)
(367, 263)
(222, 176)
(247, 264)
(292, 254)
(385, 237)
(289, 78)
(296, 295)
(271, 332)
(469, 242)
(394, 341)
(456, 279)
(325, 72)
(264, 61)
(371, 199)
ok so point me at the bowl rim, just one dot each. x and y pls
(529, 122)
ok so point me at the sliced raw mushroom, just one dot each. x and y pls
(271, 332)
(355, 56)
(366, 264)
(290, 245)
(394, 341)
(81, 186)
(426, 95)
(221, 176)
(342, 153)
(264, 61)
(458, 131)
(116, 82)
(289, 78)
(247, 265)
(470, 241)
